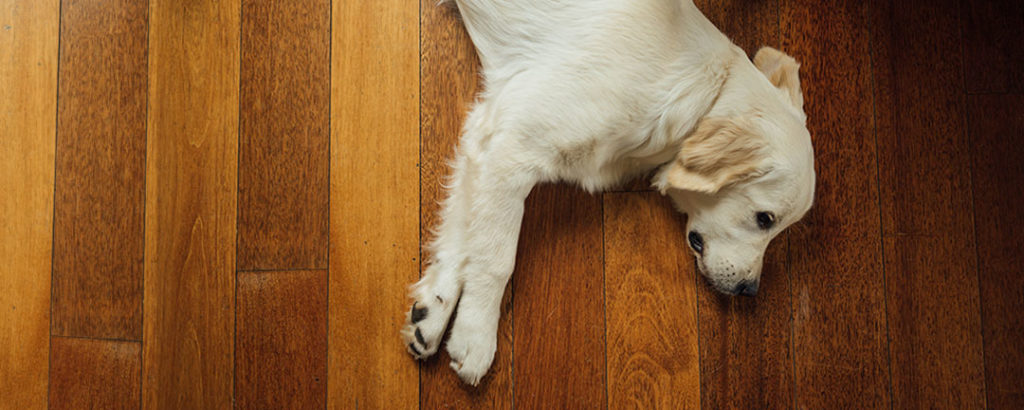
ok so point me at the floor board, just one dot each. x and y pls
(651, 302)
(281, 340)
(95, 374)
(375, 226)
(996, 122)
(191, 191)
(558, 305)
(838, 295)
(932, 289)
(283, 155)
(28, 109)
(101, 154)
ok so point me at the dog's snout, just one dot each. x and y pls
(696, 242)
(747, 288)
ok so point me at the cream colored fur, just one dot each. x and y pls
(595, 93)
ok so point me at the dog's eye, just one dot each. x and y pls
(765, 220)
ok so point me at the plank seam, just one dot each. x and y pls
(145, 206)
(53, 204)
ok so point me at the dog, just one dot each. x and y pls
(596, 93)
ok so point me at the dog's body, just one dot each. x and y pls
(597, 92)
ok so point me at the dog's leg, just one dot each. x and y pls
(497, 214)
(437, 292)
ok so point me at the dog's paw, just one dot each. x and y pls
(424, 326)
(472, 354)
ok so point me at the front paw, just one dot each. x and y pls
(471, 353)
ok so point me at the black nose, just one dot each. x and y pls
(747, 288)
(696, 242)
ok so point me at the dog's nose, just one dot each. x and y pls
(747, 288)
(696, 242)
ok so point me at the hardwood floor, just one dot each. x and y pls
(220, 203)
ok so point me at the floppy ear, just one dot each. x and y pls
(782, 70)
(721, 151)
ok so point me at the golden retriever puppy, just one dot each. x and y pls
(595, 93)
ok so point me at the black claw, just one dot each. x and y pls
(417, 314)
(419, 337)
(415, 350)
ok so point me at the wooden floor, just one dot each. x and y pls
(211, 204)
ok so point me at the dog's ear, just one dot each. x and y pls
(720, 152)
(783, 72)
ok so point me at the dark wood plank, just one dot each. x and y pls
(94, 374)
(931, 279)
(993, 50)
(736, 373)
(374, 216)
(448, 73)
(996, 124)
(191, 181)
(839, 335)
(283, 155)
(101, 152)
(651, 298)
(559, 338)
(28, 109)
(281, 340)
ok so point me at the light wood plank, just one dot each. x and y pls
(281, 342)
(191, 186)
(839, 334)
(934, 316)
(101, 153)
(28, 109)
(653, 359)
(285, 98)
(374, 218)
(95, 374)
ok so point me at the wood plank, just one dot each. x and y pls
(993, 52)
(101, 153)
(996, 124)
(191, 165)
(374, 238)
(28, 77)
(559, 338)
(95, 374)
(283, 155)
(281, 340)
(449, 80)
(736, 373)
(839, 333)
(932, 288)
(651, 300)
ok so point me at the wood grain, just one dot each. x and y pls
(995, 129)
(931, 279)
(101, 153)
(281, 340)
(651, 300)
(448, 78)
(283, 155)
(374, 238)
(993, 53)
(94, 374)
(736, 372)
(839, 334)
(191, 183)
(28, 77)
(559, 338)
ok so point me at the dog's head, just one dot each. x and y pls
(745, 173)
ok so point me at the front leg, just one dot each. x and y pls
(496, 218)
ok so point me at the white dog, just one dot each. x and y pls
(597, 92)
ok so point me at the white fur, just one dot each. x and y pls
(594, 93)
